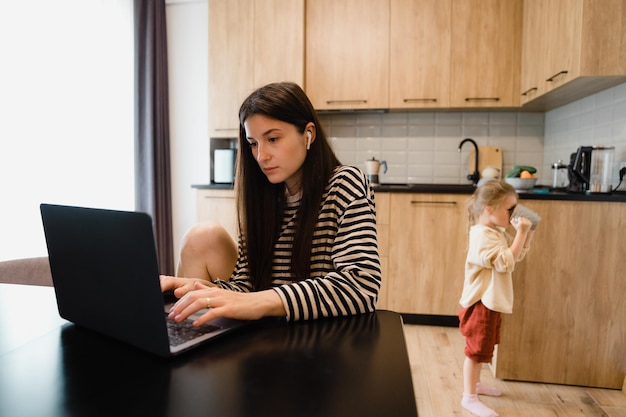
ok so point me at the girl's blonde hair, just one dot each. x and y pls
(491, 193)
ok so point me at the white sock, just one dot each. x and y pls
(472, 404)
(487, 390)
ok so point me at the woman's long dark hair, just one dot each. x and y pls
(260, 204)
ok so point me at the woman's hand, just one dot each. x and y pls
(181, 286)
(226, 303)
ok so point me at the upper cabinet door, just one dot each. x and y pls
(534, 50)
(563, 39)
(231, 25)
(278, 41)
(251, 43)
(580, 50)
(347, 54)
(586, 38)
(486, 46)
(420, 53)
(603, 38)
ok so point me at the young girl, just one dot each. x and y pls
(307, 245)
(488, 286)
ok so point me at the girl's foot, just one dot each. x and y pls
(487, 390)
(472, 404)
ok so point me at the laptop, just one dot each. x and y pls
(106, 278)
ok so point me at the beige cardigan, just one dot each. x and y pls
(489, 269)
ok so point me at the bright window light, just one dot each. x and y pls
(66, 113)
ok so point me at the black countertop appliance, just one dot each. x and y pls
(591, 169)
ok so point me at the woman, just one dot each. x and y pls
(307, 245)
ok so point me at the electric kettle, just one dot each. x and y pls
(372, 167)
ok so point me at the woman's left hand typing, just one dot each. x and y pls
(226, 303)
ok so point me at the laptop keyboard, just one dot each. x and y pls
(185, 331)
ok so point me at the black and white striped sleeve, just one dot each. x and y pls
(345, 264)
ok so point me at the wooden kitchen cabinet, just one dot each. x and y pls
(347, 54)
(278, 41)
(217, 206)
(251, 43)
(574, 48)
(569, 315)
(382, 202)
(455, 53)
(419, 51)
(534, 26)
(432, 54)
(486, 51)
(564, 20)
(427, 246)
(230, 63)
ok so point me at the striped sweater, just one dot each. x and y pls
(345, 266)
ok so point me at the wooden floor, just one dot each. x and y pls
(436, 357)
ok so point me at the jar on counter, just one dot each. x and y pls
(559, 175)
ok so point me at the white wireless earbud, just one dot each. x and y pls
(308, 142)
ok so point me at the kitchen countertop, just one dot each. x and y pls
(214, 186)
(538, 193)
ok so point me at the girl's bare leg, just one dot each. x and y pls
(470, 401)
(471, 375)
(207, 252)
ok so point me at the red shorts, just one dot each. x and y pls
(481, 328)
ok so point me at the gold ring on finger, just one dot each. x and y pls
(208, 302)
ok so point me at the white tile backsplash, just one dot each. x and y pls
(599, 119)
(421, 147)
(418, 119)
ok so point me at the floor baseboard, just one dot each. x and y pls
(430, 320)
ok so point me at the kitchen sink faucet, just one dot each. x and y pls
(475, 176)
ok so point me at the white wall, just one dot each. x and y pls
(187, 33)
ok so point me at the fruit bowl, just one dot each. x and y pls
(522, 183)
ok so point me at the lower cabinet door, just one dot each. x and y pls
(427, 247)
(217, 206)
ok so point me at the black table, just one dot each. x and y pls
(354, 366)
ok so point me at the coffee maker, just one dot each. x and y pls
(372, 167)
(590, 169)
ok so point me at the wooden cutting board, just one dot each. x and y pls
(487, 156)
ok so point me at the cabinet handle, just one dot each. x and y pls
(529, 90)
(426, 202)
(482, 98)
(417, 100)
(345, 101)
(556, 75)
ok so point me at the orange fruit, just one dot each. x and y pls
(526, 174)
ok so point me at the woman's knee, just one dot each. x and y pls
(206, 236)
(207, 252)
